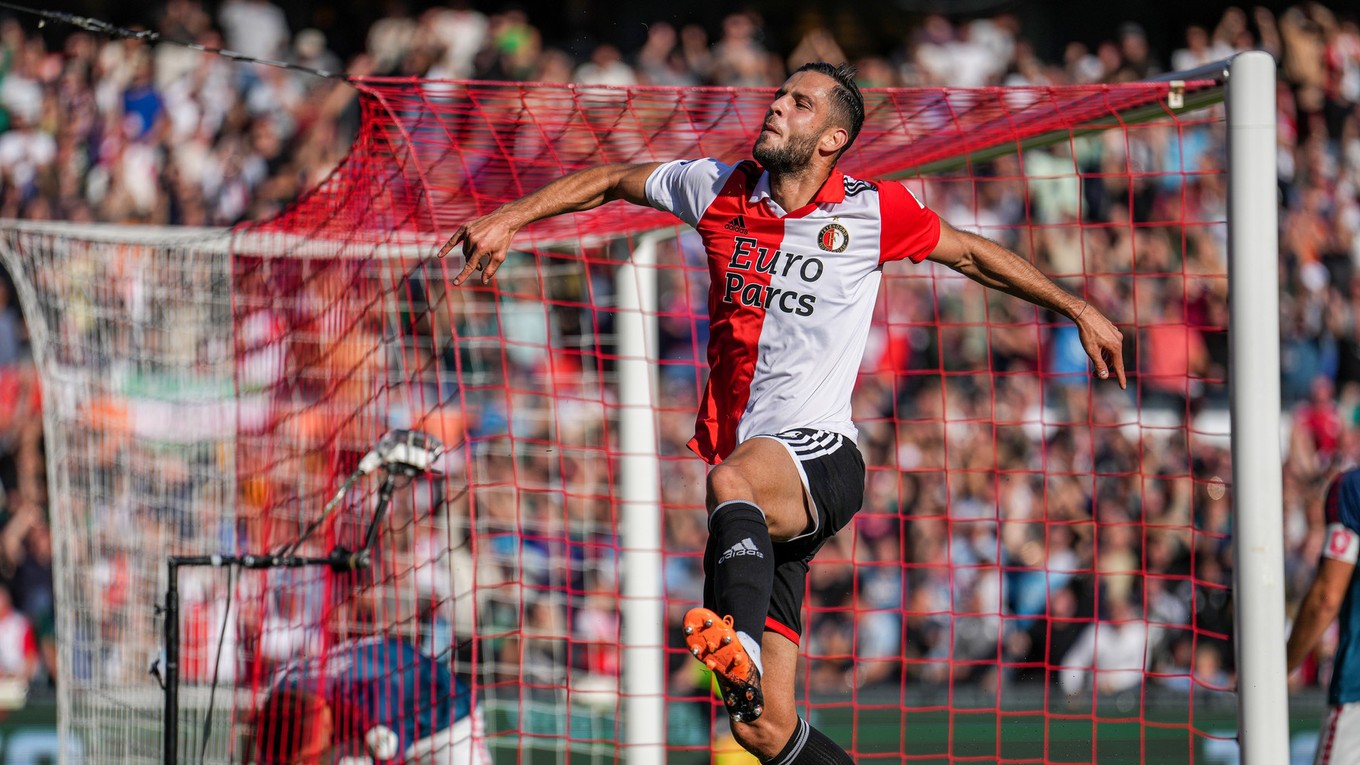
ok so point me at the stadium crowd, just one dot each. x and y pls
(993, 562)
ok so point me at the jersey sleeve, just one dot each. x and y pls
(910, 229)
(685, 188)
(1342, 541)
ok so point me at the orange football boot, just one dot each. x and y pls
(713, 641)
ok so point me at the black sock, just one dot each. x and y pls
(741, 566)
(809, 746)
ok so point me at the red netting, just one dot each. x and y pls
(1022, 524)
(432, 154)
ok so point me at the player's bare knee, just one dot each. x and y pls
(727, 483)
(766, 736)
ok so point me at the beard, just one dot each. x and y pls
(790, 159)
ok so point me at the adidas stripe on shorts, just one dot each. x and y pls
(1339, 741)
(832, 470)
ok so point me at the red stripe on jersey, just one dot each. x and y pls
(734, 233)
(910, 229)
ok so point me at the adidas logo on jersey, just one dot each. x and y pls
(744, 547)
(737, 224)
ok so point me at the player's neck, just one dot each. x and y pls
(793, 191)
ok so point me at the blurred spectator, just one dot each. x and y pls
(511, 49)
(11, 326)
(26, 150)
(739, 58)
(1136, 60)
(18, 642)
(662, 59)
(1114, 649)
(390, 37)
(256, 28)
(605, 67)
(1199, 50)
(460, 32)
(1040, 650)
(309, 50)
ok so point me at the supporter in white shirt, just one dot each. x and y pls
(24, 151)
(1116, 649)
(462, 31)
(1198, 51)
(606, 67)
(256, 28)
(18, 642)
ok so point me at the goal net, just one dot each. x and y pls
(1039, 573)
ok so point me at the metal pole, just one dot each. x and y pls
(172, 664)
(1254, 386)
(339, 559)
(644, 639)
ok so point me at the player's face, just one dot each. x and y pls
(798, 119)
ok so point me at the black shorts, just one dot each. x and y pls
(832, 470)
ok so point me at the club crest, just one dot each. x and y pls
(833, 238)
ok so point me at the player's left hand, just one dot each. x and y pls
(1103, 342)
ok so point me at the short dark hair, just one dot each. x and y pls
(847, 100)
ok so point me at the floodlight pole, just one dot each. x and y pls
(643, 682)
(1254, 386)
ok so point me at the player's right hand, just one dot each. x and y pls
(486, 242)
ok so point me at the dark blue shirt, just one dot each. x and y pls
(1343, 508)
(382, 681)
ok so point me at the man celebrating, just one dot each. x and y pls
(375, 701)
(1334, 592)
(795, 254)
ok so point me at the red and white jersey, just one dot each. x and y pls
(792, 293)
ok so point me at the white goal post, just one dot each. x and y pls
(1254, 383)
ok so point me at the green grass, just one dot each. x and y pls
(1166, 728)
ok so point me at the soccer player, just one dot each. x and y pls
(375, 701)
(795, 254)
(1334, 592)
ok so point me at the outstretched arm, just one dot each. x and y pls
(992, 265)
(486, 240)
